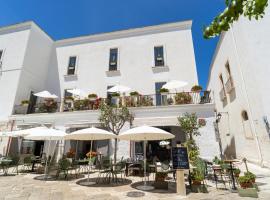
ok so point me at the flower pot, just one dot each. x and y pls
(196, 182)
(248, 192)
(92, 98)
(246, 185)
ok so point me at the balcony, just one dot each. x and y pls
(229, 85)
(222, 94)
(154, 100)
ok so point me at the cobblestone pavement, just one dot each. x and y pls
(26, 187)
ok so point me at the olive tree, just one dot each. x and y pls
(190, 126)
(252, 9)
(113, 119)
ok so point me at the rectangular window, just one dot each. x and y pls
(1, 54)
(71, 65)
(113, 59)
(159, 56)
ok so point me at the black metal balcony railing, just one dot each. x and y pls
(167, 99)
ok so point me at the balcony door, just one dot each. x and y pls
(32, 103)
(158, 86)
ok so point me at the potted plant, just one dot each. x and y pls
(115, 95)
(160, 182)
(196, 97)
(71, 154)
(183, 98)
(163, 91)
(135, 93)
(196, 178)
(69, 98)
(248, 187)
(25, 102)
(92, 97)
(236, 172)
(196, 88)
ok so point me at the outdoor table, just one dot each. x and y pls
(5, 163)
(232, 174)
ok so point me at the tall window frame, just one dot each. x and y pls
(72, 65)
(113, 59)
(159, 58)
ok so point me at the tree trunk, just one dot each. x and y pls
(115, 151)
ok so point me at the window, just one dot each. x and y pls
(227, 66)
(244, 115)
(113, 59)
(72, 65)
(159, 56)
(1, 54)
(221, 81)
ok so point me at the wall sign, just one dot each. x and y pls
(180, 158)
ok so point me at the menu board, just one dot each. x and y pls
(180, 158)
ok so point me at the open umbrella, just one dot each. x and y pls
(45, 134)
(46, 94)
(145, 133)
(90, 134)
(78, 92)
(174, 85)
(119, 89)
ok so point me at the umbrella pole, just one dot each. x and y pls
(145, 160)
(46, 162)
(89, 163)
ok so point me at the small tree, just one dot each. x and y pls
(190, 126)
(113, 119)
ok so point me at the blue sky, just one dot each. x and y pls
(70, 18)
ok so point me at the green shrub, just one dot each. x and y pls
(183, 98)
(196, 88)
(135, 93)
(115, 94)
(163, 90)
(92, 96)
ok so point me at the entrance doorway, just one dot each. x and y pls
(39, 146)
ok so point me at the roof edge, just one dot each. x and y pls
(126, 33)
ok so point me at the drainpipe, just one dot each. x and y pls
(247, 98)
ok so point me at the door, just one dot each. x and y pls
(39, 145)
(109, 95)
(158, 86)
(32, 103)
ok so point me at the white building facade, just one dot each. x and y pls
(239, 80)
(143, 59)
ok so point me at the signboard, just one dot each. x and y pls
(180, 158)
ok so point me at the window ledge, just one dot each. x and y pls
(70, 77)
(160, 69)
(113, 73)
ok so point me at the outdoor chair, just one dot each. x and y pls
(106, 168)
(119, 168)
(221, 175)
(63, 167)
(27, 163)
(15, 163)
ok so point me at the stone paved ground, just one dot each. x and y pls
(24, 186)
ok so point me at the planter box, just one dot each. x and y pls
(248, 192)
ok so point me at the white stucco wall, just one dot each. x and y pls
(136, 59)
(246, 47)
(13, 43)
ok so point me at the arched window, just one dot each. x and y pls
(244, 115)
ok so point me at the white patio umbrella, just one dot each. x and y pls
(78, 92)
(174, 85)
(90, 134)
(45, 134)
(25, 132)
(46, 94)
(145, 133)
(119, 89)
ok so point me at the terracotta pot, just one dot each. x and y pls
(196, 182)
(246, 185)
